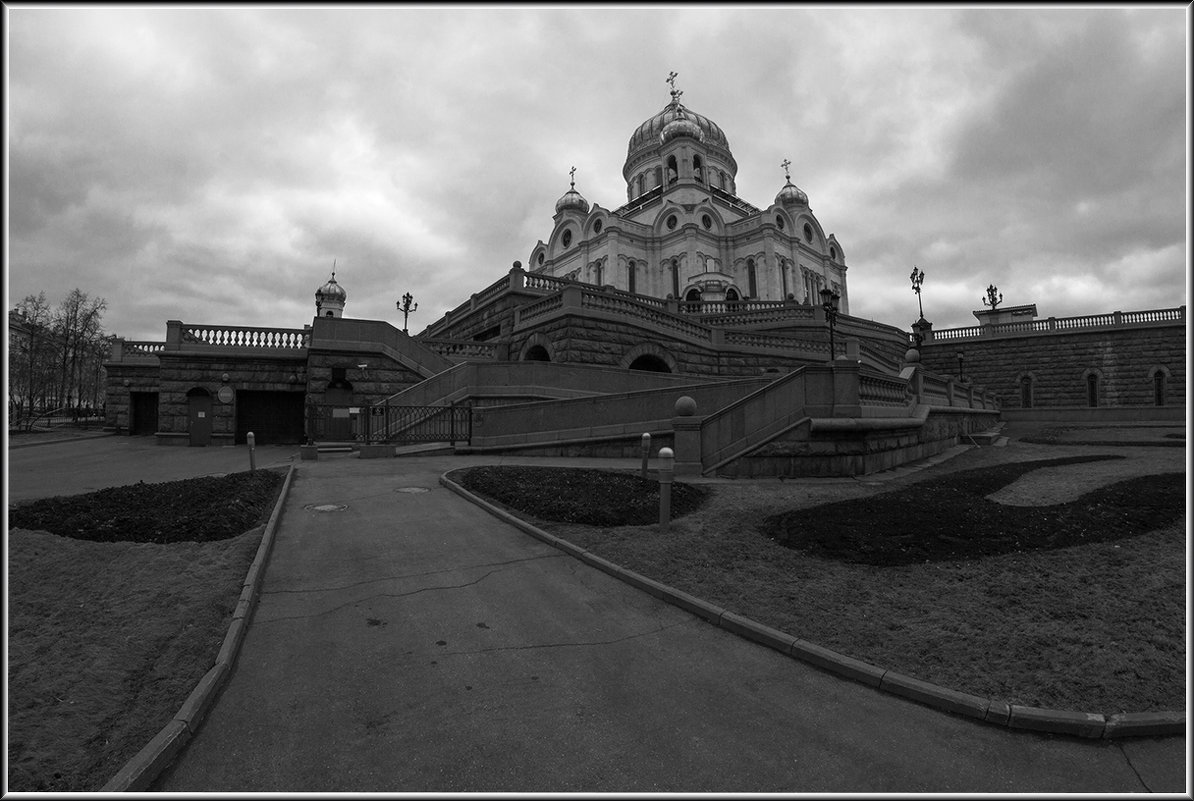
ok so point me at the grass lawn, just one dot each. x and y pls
(1056, 583)
(116, 615)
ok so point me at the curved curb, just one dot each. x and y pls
(1079, 724)
(148, 763)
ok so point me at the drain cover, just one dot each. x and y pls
(411, 489)
(326, 507)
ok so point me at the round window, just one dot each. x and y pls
(779, 221)
(808, 232)
(597, 227)
(671, 223)
(568, 238)
(706, 221)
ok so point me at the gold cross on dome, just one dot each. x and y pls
(671, 80)
(785, 164)
(572, 176)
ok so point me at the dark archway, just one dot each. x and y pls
(650, 363)
(537, 353)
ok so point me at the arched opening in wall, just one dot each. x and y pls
(1026, 392)
(697, 170)
(1092, 389)
(693, 296)
(538, 353)
(329, 314)
(675, 278)
(650, 364)
(642, 183)
(672, 172)
(752, 277)
(658, 176)
(631, 269)
(721, 179)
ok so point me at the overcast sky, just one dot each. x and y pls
(209, 164)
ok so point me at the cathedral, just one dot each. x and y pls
(684, 292)
(684, 233)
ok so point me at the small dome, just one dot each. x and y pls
(572, 200)
(681, 125)
(331, 291)
(791, 195)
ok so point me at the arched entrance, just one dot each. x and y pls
(650, 363)
(199, 417)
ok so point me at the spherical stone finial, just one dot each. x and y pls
(517, 266)
(685, 407)
(912, 356)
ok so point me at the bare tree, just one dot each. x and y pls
(77, 326)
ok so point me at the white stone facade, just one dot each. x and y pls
(684, 233)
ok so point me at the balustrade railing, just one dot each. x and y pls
(228, 336)
(1111, 320)
(461, 349)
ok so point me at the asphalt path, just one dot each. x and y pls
(407, 641)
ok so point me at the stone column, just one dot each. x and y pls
(686, 432)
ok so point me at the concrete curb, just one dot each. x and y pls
(1077, 724)
(148, 763)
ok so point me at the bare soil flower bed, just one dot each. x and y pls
(951, 518)
(580, 495)
(114, 618)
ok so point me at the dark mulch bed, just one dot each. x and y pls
(949, 518)
(191, 510)
(585, 496)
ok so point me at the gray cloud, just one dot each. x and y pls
(209, 164)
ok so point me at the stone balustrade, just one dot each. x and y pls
(1052, 324)
(181, 336)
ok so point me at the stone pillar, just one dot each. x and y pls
(686, 432)
(518, 276)
(845, 389)
(173, 334)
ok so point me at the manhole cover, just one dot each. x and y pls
(411, 489)
(326, 507)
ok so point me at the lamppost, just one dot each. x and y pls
(829, 300)
(961, 375)
(990, 299)
(406, 307)
(918, 278)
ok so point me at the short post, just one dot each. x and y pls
(665, 487)
(646, 452)
(252, 443)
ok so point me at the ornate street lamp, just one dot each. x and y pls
(990, 299)
(918, 278)
(829, 300)
(961, 375)
(406, 307)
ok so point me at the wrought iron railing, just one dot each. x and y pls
(384, 424)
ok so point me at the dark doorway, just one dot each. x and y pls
(651, 364)
(199, 417)
(538, 353)
(143, 413)
(275, 418)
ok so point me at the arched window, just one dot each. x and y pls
(1159, 388)
(650, 364)
(696, 169)
(675, 278)
(658, 176)
(693, 296)
(642, 183)
(631, 269)
(1092, 389)
(752, 278)
(537, 353)
(1026, 392)
(672, 172)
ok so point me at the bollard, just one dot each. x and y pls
(665, 487)
(252, 441)
(646, 452)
